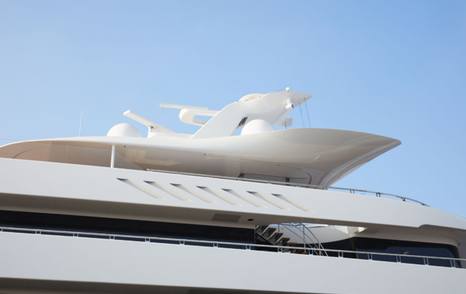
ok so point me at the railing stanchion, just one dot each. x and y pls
(311, 186)
(400, 258)
(112, 156)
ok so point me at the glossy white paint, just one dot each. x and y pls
(270, 107)
(81, 260)
(317, 156)
(123, 130)
(256, 126)
(153, 195)
(73, 176)
(312, 156)
(152, 127)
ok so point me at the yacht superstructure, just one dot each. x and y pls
(237, 207)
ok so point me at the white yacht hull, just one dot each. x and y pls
(87, 264)
(35, 262)
(121, 213)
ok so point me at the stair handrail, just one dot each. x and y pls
(319, 244)
(313, 237)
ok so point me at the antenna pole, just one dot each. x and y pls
(308, 116)
(301, 116)
(80, 123)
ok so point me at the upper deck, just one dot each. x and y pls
(133, 193)
(249, 138)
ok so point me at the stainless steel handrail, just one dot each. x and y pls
(378, 194)
(305, 237)
(350, 190)
(452, 262)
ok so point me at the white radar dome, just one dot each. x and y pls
(256, 126)
(123, 130)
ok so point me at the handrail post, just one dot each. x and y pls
(112, 156)
(304, 237)
(309, 250)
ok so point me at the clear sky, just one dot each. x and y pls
(394, 68)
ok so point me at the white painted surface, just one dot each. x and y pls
(317, 156)
(256, 126)
(270, 107)
(36, 180)
(123, 130)
(58, 258)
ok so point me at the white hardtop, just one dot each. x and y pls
(240, 140)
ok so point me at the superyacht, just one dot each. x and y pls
(246, 204)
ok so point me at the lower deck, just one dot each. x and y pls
(271, 238)
(40, 261)
(80, 226)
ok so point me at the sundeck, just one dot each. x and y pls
(312, 156)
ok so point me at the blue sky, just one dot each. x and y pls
(395, 68)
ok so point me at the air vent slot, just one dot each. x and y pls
(191, 193)
(283, 198)
(139, 187)
(207, 190)
(165, 191)
(266, 199)
(223, 217)
(237, 195)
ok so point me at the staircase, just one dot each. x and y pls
(271, 235)
(277, 235)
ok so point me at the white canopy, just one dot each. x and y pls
(313, 156)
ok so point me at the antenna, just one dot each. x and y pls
(81, 115)
(308, 116)
(151, 126)
(301, 116)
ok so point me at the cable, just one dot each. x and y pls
(308, 116)
(301, 116)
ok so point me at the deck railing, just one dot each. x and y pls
(376, 256)
(378, 194)
(350, 190)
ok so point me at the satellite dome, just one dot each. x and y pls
(256, 126)
(123, 130)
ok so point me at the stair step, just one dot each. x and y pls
(262, 228)
(269, 232)
(284, 241)
(276, 237)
